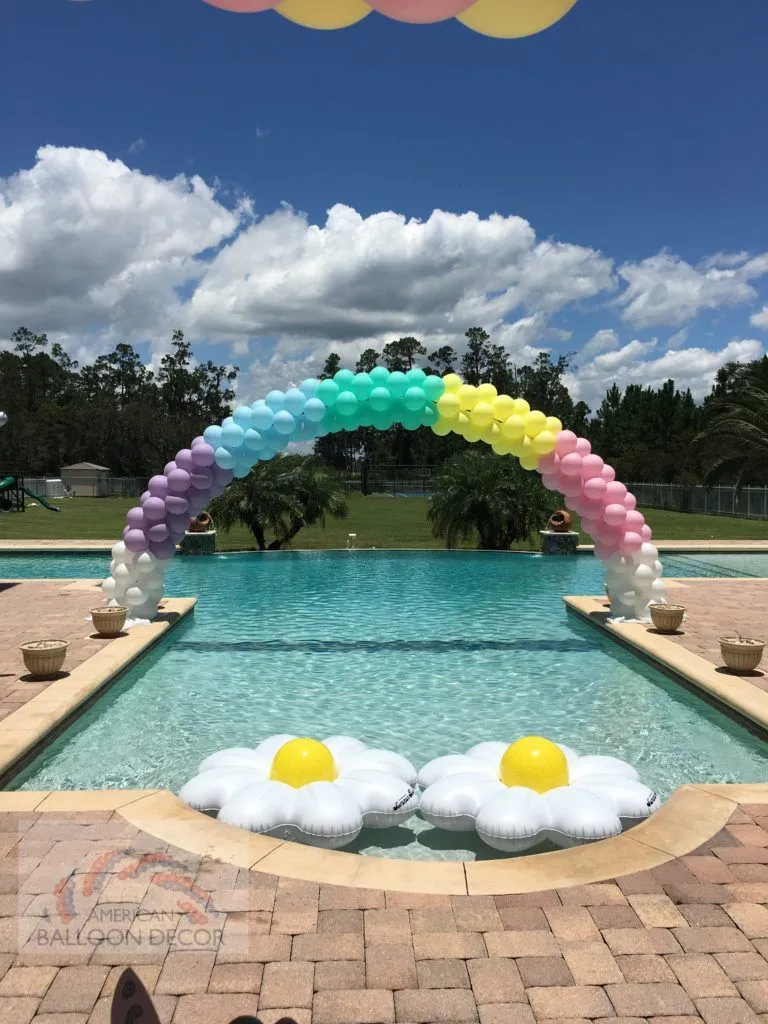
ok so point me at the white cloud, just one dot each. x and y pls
(760, 319)
(599, 342)
(137, 146)
(664, 289)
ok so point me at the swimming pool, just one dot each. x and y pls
(426, 653)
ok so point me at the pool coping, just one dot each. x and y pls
(690, 818)
(26, 729)
(735, 693)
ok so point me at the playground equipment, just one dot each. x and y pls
(12, 492)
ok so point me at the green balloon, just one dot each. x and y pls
(379, 375)
(429, 415)
(414, 399)
(433, 387)
(346, 404)
(332, 421)
(383, 419)
(328, 392)
(411, 421)
(397, 383)
(361, 386)
(380, 399)
(416, 376)
(365, 415)
(344, 378)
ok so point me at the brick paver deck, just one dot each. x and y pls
(718, 608)
(88, 894)
(40, 610)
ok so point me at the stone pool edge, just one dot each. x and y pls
(32, 725)
(735, 693)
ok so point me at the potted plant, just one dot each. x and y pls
(44, 658)
(667, 618)
(108, 620)
(741, 653)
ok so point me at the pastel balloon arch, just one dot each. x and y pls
(380, 399)
(503, 19)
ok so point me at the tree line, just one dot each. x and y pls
(118, 412)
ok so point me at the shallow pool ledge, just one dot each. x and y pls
(24, 731)
(690, 818)
(732, 691)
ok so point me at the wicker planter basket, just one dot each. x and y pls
(44, 658)
(741, 653)
(667, 618)
(108, 621)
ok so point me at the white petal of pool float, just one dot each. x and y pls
(297, 788)
(517, 796)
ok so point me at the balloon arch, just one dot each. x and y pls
(381, 399)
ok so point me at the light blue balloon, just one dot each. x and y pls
(261, 416)
(283, 422)
(227, 422)
(242, 469)
(242, 416)
(232, 436)
(309, 387)
(275, 400)
(224, 459)
(305, 431)
(295, 401)
(314, 410)
(254, 442)
(212, 436)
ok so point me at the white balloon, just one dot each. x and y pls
(108, 587)
(648, 553)
(145, 563)
(120, 552)
(659, 591)
(135, 596)
(644, 575)
(123, 574)
(658, 567)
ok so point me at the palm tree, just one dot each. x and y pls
(488, 496)
(281, 496)
(734, 444)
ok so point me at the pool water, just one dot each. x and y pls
(425, 653)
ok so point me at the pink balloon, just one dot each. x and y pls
(570, 485)
(594, 489)
(550, 481)
(243, 6)
(630, 501)
(420, 12)
(645, 532)
(590, 526)
(575, 503)
(570, 465)
(592, 509)
(634, 521)
(630, 543)
(548, 463)
(592, 466)
(583, 447)
(614, 493)
(615, 515)
(565, 442)
(608, 474)
(611, 535)
(604, 551)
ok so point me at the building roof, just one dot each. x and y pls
(86, 465)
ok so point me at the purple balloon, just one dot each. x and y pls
(135, 518)
(125, 531)
(144, 497)
(223, 477)
(201, 478)
(217, 489)
(157, 533)
(164, 549)
(154, 509)
(170, 466)
(178, 524)
(197, 441)
(176, 505)
(178, 481)
(203, 454)
(135, 540)
(184, 459)
(158, 486)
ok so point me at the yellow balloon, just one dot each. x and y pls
(521, 447)
(326, 14)
(535, 763)
(521, 407)
(448, 405)
(503, 406)
(301, 761)
(535, 422)
(501, 446)
(482, 414)
(513, 428)
(529, 461)
(472, 433)
(491, 433)
(467, 396)
(554, 424)
(512, 19)
(442, 427)
(486, 392)
(544, 443)
(452, 382)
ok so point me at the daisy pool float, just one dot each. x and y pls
(293, 787)
(516, 796)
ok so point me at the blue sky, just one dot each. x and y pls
(630, 128)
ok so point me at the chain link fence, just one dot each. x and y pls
(115, 486)
(750, 503)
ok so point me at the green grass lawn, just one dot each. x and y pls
(378, 522)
